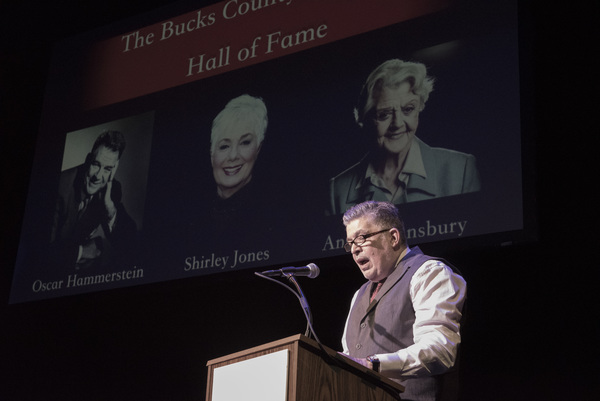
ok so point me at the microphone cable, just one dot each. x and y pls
(303, 302)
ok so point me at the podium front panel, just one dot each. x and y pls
(263, 378)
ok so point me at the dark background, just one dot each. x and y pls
(533, 325)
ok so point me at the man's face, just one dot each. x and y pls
(396, 118)
(100, 169)
(377, 257)
(235, 152)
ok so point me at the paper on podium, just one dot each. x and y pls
(263, 378)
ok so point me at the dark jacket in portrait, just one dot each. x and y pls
(79, 219)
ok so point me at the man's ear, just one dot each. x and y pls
(396, 241)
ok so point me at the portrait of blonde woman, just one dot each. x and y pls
(399, 167)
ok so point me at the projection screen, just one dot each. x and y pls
(246, 135)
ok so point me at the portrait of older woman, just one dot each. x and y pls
(399, 167)
(237, 135)
(236, 138)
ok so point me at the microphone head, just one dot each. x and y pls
(314, 270)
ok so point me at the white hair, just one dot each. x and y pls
(244, 107)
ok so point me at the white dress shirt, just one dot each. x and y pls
(437, 295)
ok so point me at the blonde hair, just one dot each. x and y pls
(391, 74)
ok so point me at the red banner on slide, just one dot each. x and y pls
(230, 35)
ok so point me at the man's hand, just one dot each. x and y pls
(109, 205)
(361, 361)
(90, 250)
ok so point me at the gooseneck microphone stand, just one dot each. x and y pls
(303, 302)
(309, 327)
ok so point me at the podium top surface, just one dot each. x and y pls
(315, 347)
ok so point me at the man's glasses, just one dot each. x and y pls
(361, 239)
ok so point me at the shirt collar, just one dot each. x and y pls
(414, 160)
(413, 165)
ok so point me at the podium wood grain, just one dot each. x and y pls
(314, 375)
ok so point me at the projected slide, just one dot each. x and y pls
(235, 135)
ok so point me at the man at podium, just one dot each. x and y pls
(404, 322)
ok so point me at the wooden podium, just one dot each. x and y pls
(295, 369)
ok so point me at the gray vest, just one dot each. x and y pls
(386, 326)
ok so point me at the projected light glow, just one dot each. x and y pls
(162, 85)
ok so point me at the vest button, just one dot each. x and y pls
(363, 325)
(358, 346)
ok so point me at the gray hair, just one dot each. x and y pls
(382, 213)
(244, 107)
(391, 74)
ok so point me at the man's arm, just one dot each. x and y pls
(438, 295)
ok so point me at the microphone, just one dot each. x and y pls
(311, 271)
